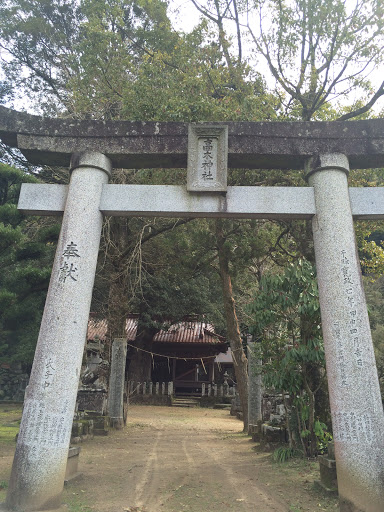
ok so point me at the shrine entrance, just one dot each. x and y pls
(325, 150)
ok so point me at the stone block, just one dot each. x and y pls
(101, 425)
(328, 476)
(77, 429)
(92, 400)
(271, 436)
(235, 405)
(254, 430)
(71, 472)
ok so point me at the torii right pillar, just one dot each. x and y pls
(355, 399)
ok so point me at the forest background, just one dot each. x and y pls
(260, 60)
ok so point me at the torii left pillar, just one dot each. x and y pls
(38, 470)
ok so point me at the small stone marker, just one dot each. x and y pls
(207, 158)
(71, 472)
(116, 383)
(328, 476)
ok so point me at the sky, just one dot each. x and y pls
(184, 14)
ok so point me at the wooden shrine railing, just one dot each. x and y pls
(168, 388)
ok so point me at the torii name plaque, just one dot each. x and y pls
(207, 158)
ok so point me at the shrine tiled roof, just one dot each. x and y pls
(189, 331)
(98, 327)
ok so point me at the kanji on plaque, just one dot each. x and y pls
(208, 164)
(207, 158)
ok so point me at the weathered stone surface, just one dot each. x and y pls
(356, 407)
(116, 383)
(207, 158)
(235, 405)
(44, 199)
(271, 437)
(92, 400)
(42, 448)
(72, 469)
(265, 145)
(174, 201)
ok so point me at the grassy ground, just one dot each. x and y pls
(10, 416)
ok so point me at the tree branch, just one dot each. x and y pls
(365, 108)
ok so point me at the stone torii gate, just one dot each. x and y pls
(90, 148)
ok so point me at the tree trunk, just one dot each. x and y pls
(233, 331)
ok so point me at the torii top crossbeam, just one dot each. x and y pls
(135, 145)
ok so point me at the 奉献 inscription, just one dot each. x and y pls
(66, 271)
(69, 270)
(71, 251)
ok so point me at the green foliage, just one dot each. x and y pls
(374, 291)
(25, 258)
(284, 453)
(286, 314)
(115, 59)
(323, 436)
(320, 50)
(286, 318)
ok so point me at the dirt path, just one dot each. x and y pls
(188, 460)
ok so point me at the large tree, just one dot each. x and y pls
(318, 53)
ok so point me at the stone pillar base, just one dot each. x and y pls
(255, 431)
(117, 423)
(328, 473)
(319, 485)
(347, 506)
(72, 473)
